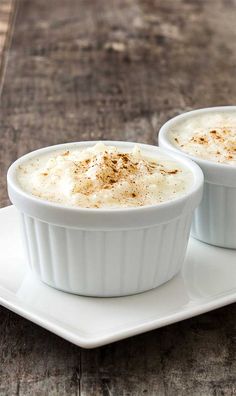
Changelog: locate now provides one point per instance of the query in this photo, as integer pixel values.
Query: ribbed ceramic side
(215, 219)
(105, 263)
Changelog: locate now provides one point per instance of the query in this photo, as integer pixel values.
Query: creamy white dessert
(104, 177)
(208, 136)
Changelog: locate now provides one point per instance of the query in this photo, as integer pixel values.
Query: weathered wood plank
(7, 12)
(192, 358)
(35, 362)
(85, 69)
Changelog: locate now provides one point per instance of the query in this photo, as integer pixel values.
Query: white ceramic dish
(215, 218)
(105, 252)
(207, 281)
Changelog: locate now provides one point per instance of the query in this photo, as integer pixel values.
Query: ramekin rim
(196, 171)
(163, 133)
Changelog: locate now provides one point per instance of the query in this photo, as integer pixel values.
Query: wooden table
(117, 69)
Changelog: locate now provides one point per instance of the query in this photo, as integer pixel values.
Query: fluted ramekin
(215, 219)
(105, 252)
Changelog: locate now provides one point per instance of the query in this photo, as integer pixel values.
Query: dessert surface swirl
(104, 176)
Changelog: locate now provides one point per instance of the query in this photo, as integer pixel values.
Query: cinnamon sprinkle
(96, 177)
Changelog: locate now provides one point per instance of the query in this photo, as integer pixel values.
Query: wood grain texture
(7, 13)
(117, 69)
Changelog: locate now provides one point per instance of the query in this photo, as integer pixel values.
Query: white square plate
(207, 281)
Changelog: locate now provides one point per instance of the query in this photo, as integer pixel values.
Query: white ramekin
(215, 219)
(105, 252)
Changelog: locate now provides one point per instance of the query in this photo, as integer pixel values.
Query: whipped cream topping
(104, 177)
(208, 136)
